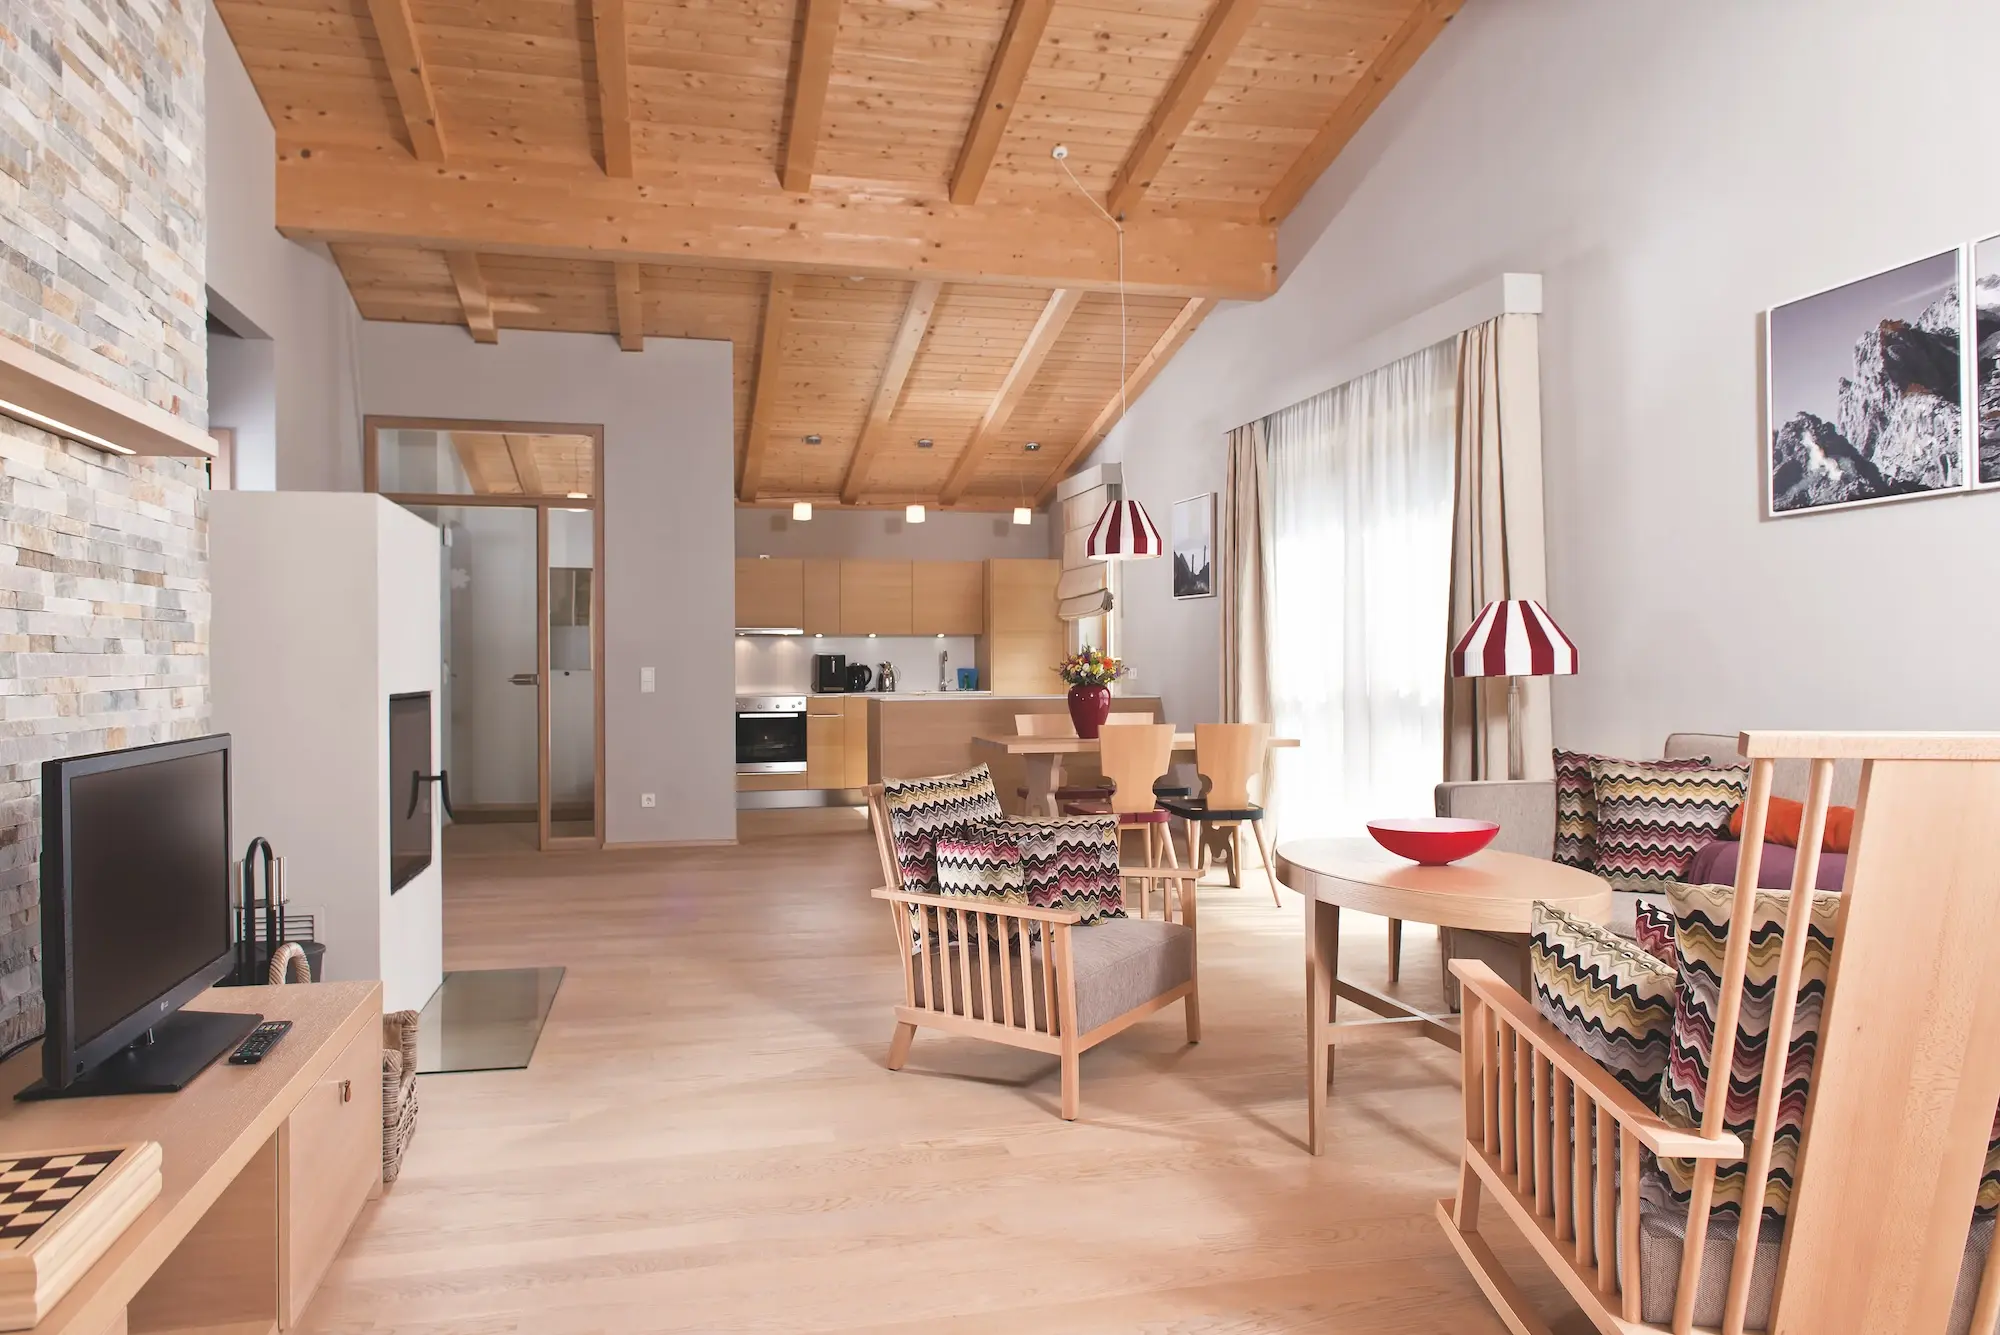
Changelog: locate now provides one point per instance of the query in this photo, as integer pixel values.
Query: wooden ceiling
(532, 464)
(858, 194)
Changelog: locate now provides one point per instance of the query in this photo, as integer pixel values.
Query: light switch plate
(648, 800)
(646, 681)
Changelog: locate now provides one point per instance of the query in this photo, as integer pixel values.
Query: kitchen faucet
(944, 669)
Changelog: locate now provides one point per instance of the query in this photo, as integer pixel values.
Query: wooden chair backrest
(1229, 756)
(1133, 755)
(885, 839)
(1043, 725)
(1123, 719)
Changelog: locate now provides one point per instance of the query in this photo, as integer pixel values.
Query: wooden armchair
(1880, 1233)
(1034, 978)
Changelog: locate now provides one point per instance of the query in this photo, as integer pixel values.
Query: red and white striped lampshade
(1123, 532)
(1514, 638)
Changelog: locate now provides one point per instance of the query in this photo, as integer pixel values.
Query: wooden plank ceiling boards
(856, 194)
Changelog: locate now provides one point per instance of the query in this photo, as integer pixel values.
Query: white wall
(669, 583)
(300, 428)
(884, 535)
(324, 606)
(1672, 170)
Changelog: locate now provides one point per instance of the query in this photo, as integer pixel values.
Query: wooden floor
(707, 1139)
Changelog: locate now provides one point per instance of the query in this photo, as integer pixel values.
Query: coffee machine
(829, 673)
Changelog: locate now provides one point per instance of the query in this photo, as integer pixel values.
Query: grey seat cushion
(1121, 963)
(1663, 1231)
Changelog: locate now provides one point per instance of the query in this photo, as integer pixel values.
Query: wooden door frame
(372, 427)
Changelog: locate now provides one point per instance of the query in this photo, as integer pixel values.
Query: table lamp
(1514, 638)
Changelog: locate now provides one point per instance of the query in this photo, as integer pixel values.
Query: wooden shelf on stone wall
(35, 385)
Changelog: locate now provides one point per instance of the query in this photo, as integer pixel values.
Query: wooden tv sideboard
(264, 1170)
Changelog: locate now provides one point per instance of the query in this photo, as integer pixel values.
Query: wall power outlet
(648, 800)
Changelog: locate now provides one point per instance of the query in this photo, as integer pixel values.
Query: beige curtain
(1497, 546)
(1246, 579)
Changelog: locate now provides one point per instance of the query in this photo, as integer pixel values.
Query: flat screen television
(135, 917)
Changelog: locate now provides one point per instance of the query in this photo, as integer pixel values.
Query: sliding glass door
(520, 564)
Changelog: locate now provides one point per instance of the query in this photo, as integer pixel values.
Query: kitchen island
(914, 735)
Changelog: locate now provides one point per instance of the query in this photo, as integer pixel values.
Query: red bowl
(1433, 841)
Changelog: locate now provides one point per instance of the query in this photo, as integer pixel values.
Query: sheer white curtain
(1360, 482)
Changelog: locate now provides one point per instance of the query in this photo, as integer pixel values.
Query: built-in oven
(770, 734)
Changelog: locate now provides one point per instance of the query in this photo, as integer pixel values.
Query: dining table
(1042, 760)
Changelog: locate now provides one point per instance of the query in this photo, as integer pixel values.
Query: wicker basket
(399, 1089)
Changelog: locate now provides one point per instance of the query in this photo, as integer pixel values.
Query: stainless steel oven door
(771, 734)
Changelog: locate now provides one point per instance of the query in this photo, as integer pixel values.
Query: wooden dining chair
(1134, 756)
(1057, 725)
(1230, 757)
(1166, 785)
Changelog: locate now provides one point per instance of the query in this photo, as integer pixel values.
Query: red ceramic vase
(1089, 706)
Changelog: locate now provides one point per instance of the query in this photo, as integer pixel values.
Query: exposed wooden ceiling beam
(1004, 77)
(472, 295)
(1212, 47)
(812, 70)
(631, 307)
(1163, 349)
(889, 389)
(614, 83)
(1405, 45)
(770, 361)
(350, 195)
(521, 453)
(1061, 305)
(396, 30)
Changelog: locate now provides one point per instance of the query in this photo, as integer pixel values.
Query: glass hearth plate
(486, 1019)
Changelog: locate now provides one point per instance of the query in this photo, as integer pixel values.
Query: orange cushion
(1781, 825)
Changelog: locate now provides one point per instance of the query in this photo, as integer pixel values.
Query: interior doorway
(520, 567)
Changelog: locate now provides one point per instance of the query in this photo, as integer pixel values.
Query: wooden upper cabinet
(822, 597)
(1024, 636)
(770, 592)
(948, 598)
(875, 598)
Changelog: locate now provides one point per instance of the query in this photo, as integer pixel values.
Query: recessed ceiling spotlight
(913, 514)
(802, 511)
(1023, 515)
(925, 443)
(578, 496)
(812, 439)
(1032, 446)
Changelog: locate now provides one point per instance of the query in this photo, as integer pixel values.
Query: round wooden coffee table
(1487, 892)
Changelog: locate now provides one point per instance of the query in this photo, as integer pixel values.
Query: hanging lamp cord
(1063, 162)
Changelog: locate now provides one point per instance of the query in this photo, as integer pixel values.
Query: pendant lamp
(1124, 532)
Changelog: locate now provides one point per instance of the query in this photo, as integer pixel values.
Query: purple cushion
(1715, 864)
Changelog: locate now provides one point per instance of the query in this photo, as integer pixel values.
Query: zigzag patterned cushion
(1703, 920)
(1653, 817)
(980, 861)
(1653, 929)
(1070, 862)
(1609, 998)
(921, 809)
(1576, 805)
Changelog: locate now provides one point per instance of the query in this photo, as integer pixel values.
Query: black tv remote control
(262, 1039)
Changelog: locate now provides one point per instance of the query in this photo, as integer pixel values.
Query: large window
(1360, 486)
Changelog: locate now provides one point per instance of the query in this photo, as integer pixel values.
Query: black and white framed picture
(1194, 547)
(1986, 364)
(1866, 385)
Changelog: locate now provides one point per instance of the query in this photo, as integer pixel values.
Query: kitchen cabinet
(856, 720)
(770, 592)
(875, 598)
(1024, 638)
(822, 597)
(826, 746)
(948, 597)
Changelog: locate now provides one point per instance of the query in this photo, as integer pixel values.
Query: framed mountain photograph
(1865, 383)
(1193, 547)
(1986, 363)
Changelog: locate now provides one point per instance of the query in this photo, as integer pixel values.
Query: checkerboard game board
(36, 1189)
